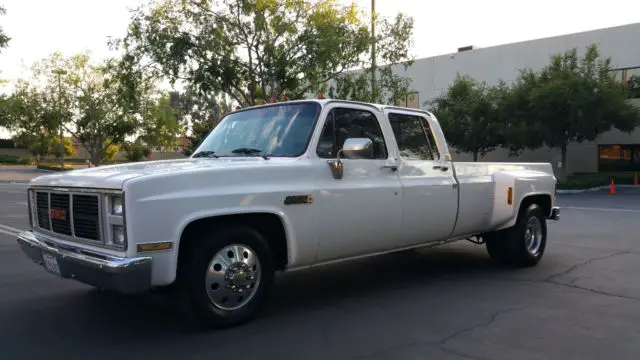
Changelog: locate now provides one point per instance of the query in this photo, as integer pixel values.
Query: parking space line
(599, 209)
(13, 192)
(8, 232)
(9, 228)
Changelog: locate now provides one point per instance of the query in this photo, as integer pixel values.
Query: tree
(94, 106)
(205, 110)
(392, 44)
(67, 147)
(110, 152)
(573, 99)
(161, 123)
(248, 49)
(4, 39)
(469, 115)
(31, 117)
(134, 151)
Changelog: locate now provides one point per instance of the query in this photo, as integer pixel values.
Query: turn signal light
(284, 98)
(320, 96)
(272, 100)
(510, 196)
(238, 108)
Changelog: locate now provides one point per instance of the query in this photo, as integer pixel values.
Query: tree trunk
(475, 156)
(563, 159)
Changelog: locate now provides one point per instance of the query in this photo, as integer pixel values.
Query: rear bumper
(555, 213)
(125, 275)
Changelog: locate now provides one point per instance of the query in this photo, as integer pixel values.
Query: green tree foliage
(135, 151)
(573, 99)
(31, 117)
(4, 39)
(110, 152)
(393, 42)
(67, 147)
(161, 123)
(469, 115)
(247, 49)
(88, 101)
(204, 110)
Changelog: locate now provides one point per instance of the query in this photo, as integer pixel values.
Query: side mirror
(357, 148)
(353, 148)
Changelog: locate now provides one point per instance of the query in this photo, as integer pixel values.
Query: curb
(597, 188)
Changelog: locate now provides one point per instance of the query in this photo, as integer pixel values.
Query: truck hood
(114, 176)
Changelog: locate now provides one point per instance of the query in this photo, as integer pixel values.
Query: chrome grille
(86, 216)
(59, 206)
(70, 214)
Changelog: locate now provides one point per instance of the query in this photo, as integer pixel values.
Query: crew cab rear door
(429, 189)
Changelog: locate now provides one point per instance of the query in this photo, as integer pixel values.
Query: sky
(40, 27)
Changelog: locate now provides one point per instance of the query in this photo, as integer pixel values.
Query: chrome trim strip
(73, 229)
(79, 190)
(99, 260)
(99, 269)
(49, 211)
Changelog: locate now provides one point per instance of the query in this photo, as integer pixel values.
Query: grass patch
(54, 167)
(15, 160)
(580, 181)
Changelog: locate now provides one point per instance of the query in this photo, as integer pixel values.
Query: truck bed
(483, 187)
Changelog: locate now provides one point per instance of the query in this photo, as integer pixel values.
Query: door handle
(392, 167)
(441, 167)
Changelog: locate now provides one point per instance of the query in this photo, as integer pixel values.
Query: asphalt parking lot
(581, 302)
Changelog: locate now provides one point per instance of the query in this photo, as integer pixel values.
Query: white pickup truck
(279, 187)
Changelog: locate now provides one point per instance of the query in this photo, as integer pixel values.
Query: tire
(495, 243)
(524, 244)
(234, 290)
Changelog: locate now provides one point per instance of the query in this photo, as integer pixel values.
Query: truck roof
(379, 107)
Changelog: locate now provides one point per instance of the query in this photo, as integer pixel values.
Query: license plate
(51, 264)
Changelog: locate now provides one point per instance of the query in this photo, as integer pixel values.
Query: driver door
(361, 212)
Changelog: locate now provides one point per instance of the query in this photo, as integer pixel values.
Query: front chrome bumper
(125, 275)
(555, 213)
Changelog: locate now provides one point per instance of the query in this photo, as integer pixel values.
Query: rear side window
(414, 137)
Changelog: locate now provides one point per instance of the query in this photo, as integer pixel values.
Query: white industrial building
(610, 152)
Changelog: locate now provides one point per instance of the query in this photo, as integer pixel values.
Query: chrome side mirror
(353, 148)
(358, 148)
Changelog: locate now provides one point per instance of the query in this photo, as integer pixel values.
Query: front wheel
(522, 245)
(227, 277)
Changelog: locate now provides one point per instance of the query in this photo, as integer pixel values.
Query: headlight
(116, 205)
(118, 235)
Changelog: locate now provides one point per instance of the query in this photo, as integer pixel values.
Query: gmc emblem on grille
(58, 214)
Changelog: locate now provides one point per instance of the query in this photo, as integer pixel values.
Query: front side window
(279, 130)
(414, 137)
(344, 123)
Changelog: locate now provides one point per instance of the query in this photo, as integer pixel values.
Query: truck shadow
(88, 320)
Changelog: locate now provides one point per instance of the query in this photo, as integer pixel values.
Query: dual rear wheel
(523, 244)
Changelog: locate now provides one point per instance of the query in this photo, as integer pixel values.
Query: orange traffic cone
(635, 178)
(612, 191)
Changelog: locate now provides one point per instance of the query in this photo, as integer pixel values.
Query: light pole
(373, 49)
(59, 73)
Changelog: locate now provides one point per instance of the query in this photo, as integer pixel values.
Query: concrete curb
(597, 188)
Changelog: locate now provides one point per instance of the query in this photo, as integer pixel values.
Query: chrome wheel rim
(533, 235)
(233, 276)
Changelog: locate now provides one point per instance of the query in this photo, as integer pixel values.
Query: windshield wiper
(248, 151)
(205, 154)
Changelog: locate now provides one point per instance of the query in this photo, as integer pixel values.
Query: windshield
(278, 130)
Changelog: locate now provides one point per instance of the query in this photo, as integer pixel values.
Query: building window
(618, 158)
(630, 78)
